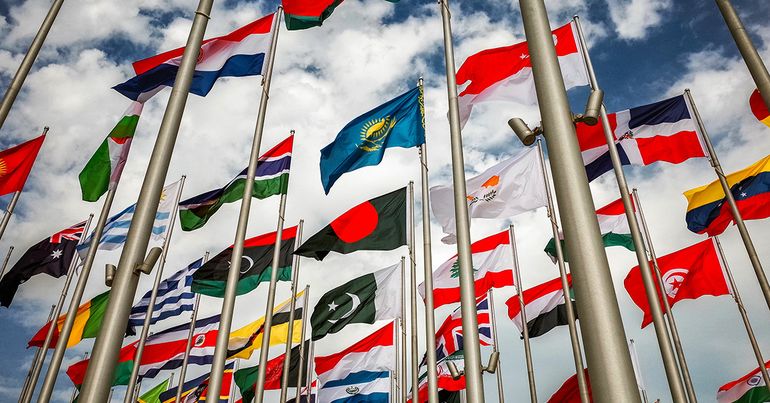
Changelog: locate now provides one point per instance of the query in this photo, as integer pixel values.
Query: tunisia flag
(15, 164)
(689, 273)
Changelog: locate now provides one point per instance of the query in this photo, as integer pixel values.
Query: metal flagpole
(37, 366)
(74, 388)
(310, 369)
(228, 303)
(637, 369)
(669, 315)
(231, 396)
(498, 373)
(5, 261)
(675, 384)
(472, 354)
(747, 242)
(190, 334)
(744, 316)
(404, 390)
(413, 291)
(393, 374)
(130, 397)
(304, 332)
(577, 351)
(749, 52)
(524, 329)
(39, 356)
(109, 397)
(293, 305)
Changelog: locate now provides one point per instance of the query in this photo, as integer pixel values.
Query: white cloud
(634, 19)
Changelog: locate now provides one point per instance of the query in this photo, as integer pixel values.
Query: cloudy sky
(367, 52)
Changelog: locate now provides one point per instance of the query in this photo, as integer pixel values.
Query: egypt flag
(88, 321)
(505, 74)
(758, 107)
(376, 224)
(689, 273)
(661, 131)
(492, 268)
(256, 265)
(544, 307)
(15, 164)
(238, 54)
(751, 388)
(244, 341)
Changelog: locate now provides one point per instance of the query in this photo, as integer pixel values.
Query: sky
(366, 53)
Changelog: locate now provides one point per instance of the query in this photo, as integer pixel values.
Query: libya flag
(246, 378)
(366, 299)
(303, 14)
(105, 166)
(256, 265)
(377, 224)
(88, 321)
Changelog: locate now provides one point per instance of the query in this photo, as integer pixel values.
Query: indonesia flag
(492, 268)
(238, 54)
(662, 131)
(544, 307)
(505, 74)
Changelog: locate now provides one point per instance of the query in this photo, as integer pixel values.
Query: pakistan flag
(366, 299)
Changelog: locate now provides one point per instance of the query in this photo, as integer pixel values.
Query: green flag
(153, 395)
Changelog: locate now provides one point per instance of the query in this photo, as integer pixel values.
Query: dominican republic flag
(751, 388)
(492, 268)
(662, 131)
(360, 373)
(449, 337)
(544, 307)
(238, 54)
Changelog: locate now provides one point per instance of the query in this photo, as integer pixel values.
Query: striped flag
(751, 388)
(245, 340)
(194, 391)
(544, 307)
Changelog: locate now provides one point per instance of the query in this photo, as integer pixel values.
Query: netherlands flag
(662, 131)
(238, 54)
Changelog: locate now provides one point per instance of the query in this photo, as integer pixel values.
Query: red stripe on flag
(590, 137)
(675, 148)
(493, 279)
(382, 337)
(534, 293)
(614, 208)
(280, 149)
(269, 239)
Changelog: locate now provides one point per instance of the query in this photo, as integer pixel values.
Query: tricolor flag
(751, 388)
(505, 74)
(303, 14)
(88, 321)
(661, 131)
(544, 307)
(238, 54)
(194, 391)
(245, 340)
(272, 178)
(758, 107)
(492, 268)
(16, 163)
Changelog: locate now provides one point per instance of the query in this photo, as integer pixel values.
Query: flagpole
(524, 329)
(75, 388)
(5, 261)
(190, 334)
(130, 397)
(38, 357)
(310, 369)
(404, 392)
(109, 397)
(393, 374)
(495, 340)
(413, 291)
(232, 382)
(228, 303)
(293, 305)
(666, 305)
(577, 351)
(637, 369)
(304, 332)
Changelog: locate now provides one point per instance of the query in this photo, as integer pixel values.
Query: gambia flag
(103, 170)
(256, 265)
(272, 178)
(613, 225)
(88, 321)
(303, 14)
(751, 388)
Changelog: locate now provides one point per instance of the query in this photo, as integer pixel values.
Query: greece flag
(363, 386)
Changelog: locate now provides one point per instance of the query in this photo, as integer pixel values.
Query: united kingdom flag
(72, 233)
(449, 337)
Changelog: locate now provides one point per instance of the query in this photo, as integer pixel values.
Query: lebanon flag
(376, 224)
(505, 74)
(758, 107)
(689, 273)
(569, 392)
(492, 268)
(15, 164)
(750, 388)
(544, 307)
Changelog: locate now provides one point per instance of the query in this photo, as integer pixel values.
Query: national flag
(256, 265)
(359, 373)
(15, 164)
(569, 391)
(446, 383)
(544, 307)
(51, 256)
(688, 273)
(449, 336)
(88, 321)
(661, 131)
(758, 107)
(104, 168)
(492, 268)
(153, 395)
(399, 122)
(366, 299)
(707, 208)
(751, 388)
(195, 390)
(246, 378)
(613, 224)
(238, 54)
(303, 14)
(511, 187)
(306, 394)
(174, 297)
(272, 178)
(376, 224)
(505, 73)
(245, 340)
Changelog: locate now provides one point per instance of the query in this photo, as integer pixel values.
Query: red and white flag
(544, 307)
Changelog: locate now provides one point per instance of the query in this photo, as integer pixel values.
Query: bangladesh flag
(303, 14)
(105, 166)
(246, 378)
(256, 265)
(377, 224)
(88, 321)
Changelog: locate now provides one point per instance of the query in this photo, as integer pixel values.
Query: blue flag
(396, 123)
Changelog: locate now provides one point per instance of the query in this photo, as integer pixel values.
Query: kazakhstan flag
(397, 123)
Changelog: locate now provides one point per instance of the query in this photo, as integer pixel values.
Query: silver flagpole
(231, 397)
(39, 361)
(669, 314)
(190, 334)
(74, 388)
(310, 369)
(744, 315)
(5, 261)
(404, 390)
(28, 61)
(496, 341)
(637, 370)
(393, 374)
(413, 291)
(524, 329)
(39, 356)
(109, 397)
(472, 355)
(292, 306)
(737, 217)
(153, 296)
(302, 343)
(228, 303)
(577, 351)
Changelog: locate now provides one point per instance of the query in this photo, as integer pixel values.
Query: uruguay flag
(238, 54)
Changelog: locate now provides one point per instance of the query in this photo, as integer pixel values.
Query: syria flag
(376, 224)
(689, 273)
(15, 164)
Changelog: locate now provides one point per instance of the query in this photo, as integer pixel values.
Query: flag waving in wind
(758, 108)
(16, 163)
